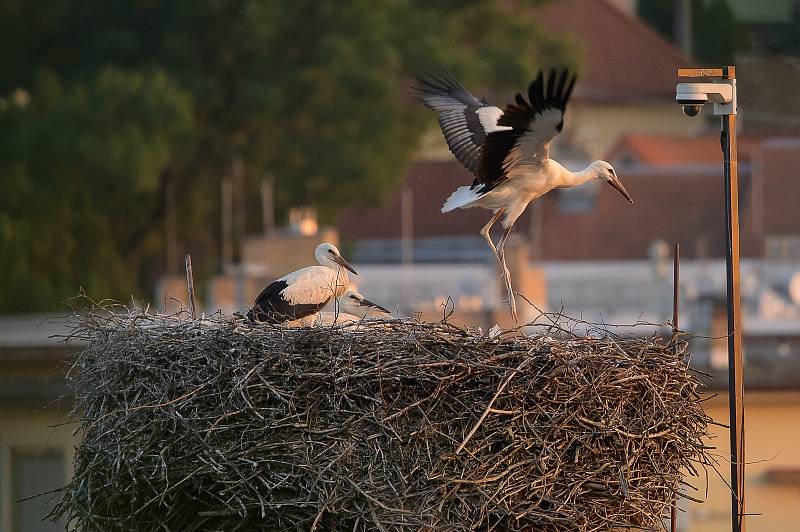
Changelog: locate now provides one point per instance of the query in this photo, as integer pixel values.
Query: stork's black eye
(353, 297)
(330, 251)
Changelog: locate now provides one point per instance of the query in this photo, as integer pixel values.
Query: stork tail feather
(460, 198)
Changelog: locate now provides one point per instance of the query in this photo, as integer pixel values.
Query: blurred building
(264, 257)
(627, 77)
(626, 82)
(773, 465)
(36, 450)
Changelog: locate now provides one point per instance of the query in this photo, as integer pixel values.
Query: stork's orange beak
(616, 183)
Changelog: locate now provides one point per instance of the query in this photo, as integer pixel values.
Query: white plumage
(488, 117)
(461, 197)
(508, 151)
(305, 291)
(351, 307)
(314, 284)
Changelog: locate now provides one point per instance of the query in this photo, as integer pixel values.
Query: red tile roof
(670, 150)
(623, 57)
(684, 207)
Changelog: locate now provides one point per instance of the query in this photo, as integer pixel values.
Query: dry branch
(222, 425)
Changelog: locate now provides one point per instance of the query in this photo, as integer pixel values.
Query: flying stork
(352, 307)
(508, 151)
(305, 291)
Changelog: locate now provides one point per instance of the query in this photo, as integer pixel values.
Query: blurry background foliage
(103, 105)
(716, 33)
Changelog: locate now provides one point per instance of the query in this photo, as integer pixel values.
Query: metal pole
(239, 207)
(172, 224)
(227, 223)
(676, 283)
(683, 26)
(735, 359)
(406, 225)
(267, 205)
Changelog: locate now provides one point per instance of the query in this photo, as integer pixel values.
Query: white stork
(352, 307)
(305, 291)
(355, 304)
(508, 150)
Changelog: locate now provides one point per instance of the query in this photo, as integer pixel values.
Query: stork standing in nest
(508, 151)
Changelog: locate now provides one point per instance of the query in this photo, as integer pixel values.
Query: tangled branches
(398, 425)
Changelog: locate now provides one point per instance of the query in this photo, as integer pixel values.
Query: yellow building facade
(772, 475)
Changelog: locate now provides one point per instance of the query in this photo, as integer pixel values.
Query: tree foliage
(80, 162)
(106, 104)
(716, 32)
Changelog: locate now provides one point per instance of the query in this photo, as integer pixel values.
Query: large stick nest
(223, 425)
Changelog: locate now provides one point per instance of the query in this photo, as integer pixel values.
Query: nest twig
(217, 424)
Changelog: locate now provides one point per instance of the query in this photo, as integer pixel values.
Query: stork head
(603, 170)
(354, 303)
(328, 255)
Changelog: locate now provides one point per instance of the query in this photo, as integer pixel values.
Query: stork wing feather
(530, 126)
(464, 119)
(298, 294)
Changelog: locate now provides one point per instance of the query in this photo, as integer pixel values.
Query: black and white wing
(294, 296)
(529, 126)
(464, 119)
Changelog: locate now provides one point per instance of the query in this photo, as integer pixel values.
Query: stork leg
(486, 228)
(512, 304)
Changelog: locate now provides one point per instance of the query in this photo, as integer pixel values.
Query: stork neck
(573, 179)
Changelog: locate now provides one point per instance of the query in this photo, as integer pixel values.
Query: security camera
(692, 109)
(692, 97)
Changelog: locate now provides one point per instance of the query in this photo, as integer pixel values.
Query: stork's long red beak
(616, 183)
(338, 259)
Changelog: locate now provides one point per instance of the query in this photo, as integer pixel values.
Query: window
(579, 199)
(783, 247)
(32, 473)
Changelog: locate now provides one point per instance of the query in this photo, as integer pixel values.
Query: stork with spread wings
(508, 150)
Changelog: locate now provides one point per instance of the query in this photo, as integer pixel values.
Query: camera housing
(692, 97)
(691, 110)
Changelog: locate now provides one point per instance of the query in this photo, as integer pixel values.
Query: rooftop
(672, 150)
(33, 330)
(623, 57)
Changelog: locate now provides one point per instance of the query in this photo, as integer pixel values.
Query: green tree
(314, 93)
(716, 32)
(80, 163)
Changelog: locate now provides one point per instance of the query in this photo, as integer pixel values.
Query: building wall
(264, 258)
(279, 254)
(31, 435)
(597, 127)
(772, 425)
